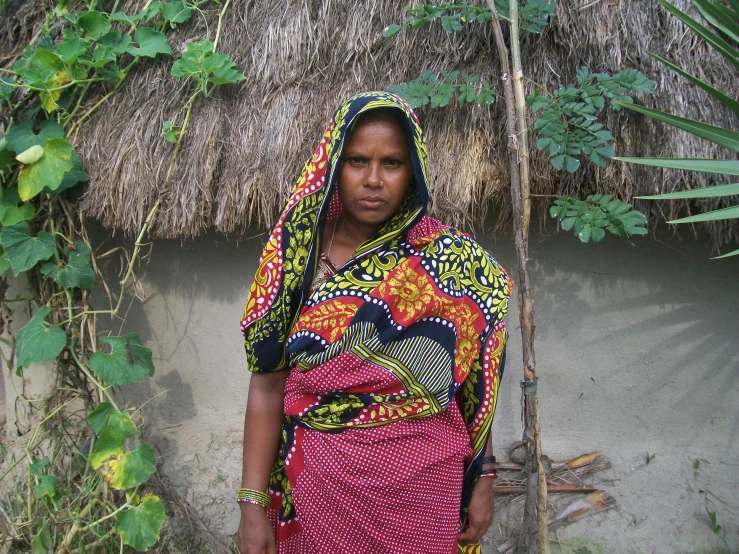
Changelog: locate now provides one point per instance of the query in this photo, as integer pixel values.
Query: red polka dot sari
(394, 363)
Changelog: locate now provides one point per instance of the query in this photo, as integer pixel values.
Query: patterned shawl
(419, 300)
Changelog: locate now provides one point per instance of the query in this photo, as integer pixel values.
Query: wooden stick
(536, 480)
(550, 488)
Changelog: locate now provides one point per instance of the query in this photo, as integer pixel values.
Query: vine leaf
(38, 341)
(47, 486)
(105, 416)
(151, 43)
(139, 527)
(77, 272)
(4, 263)
(129, 360)
(21, 136)
(42, 543)
(175, 12)
(23, 250)
(10, 212)
(120, 468)
(94, 24)
(48, 171)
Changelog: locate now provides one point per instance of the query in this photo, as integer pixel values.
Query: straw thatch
(301, 57)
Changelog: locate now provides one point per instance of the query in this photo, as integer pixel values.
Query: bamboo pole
(535, 506)
(522, 130)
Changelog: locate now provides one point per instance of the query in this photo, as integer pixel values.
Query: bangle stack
(490, 473)
(253, 496)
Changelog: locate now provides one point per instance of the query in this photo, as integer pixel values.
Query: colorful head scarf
(418, 301)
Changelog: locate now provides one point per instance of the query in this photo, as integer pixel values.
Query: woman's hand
(255, 534)
(480, 513)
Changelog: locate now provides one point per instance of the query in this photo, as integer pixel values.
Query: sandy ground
(637, 356)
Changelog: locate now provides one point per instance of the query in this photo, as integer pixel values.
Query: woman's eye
(355, 160)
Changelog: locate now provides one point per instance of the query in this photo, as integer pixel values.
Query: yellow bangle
(253, 496)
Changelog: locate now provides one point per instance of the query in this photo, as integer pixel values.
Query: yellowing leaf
(31, 155)
(48, 171)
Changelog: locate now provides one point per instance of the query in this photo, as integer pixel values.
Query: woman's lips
(371, 202)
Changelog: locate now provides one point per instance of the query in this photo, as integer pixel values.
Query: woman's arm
(262, 436)
(482, 505)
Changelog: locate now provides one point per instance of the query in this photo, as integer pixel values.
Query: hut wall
(636, 351)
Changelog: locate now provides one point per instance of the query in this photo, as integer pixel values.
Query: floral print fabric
(410, 327)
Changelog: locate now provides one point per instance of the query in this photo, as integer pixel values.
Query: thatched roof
(245, 148)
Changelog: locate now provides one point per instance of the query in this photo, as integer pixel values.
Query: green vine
(83, 494)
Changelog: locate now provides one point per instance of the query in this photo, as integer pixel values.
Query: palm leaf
(723, 137)
(727, 101)
(731, 212)
(720, 17)
(704, 192)
(734, 253)
(723, 47)
(727, 167)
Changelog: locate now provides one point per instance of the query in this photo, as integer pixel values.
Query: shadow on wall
(653, 326)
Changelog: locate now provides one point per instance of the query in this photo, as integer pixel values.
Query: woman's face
(375, 173)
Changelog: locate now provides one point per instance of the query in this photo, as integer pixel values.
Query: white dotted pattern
(389, 489)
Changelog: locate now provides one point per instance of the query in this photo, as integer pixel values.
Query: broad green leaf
(4, 262)
(94, 24)
(116, 41)
(71, 48)
(175, 12)
(48, 171)
(719, 44)
(98, 418)
(23, 250)
(703, 165)
(21, 137)
(139, 527)
(38, 341)
(31, 155)
(704, 192)
(47, 486)
(129, 360)
(718, 135)
(76, 272)
(151, 43)
(10, 213)
(124, 18)
(391, 30)
(731, 212)
(223, 76)
(727, 101)
(42, 542)
(37, 467)
(105, 416)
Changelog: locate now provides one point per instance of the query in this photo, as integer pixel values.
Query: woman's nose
(374, 179)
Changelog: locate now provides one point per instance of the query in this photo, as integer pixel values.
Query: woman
(376, 339)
